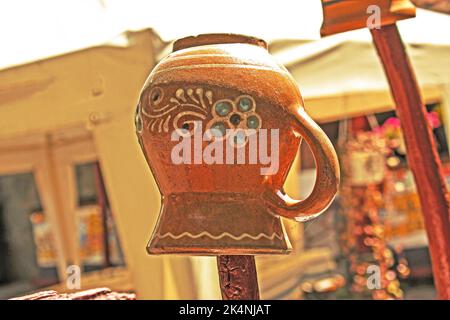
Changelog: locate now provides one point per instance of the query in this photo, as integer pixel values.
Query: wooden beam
(422, 155)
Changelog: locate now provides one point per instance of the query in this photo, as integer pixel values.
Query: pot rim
(216, 38)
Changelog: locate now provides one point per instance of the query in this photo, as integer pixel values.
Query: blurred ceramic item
(223, 81)
(366, 159)
(343, 15)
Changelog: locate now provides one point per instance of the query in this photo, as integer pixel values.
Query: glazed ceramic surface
(225, 82)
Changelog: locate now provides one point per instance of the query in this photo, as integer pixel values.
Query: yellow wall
(98, 88)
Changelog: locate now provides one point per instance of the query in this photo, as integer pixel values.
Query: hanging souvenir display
(366, 160)
(391, 133)
(91, 235)
(403, 214)
(363, 241)
(43, 239)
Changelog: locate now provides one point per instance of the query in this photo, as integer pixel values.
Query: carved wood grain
(422, 154)
(238, 277)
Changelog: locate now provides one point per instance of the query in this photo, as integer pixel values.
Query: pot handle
(327, 176)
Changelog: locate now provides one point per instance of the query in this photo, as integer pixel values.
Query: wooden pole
(422, 155)
(238, 278)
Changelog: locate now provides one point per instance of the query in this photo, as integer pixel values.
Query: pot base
(217, 224)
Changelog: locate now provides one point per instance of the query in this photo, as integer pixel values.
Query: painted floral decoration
(239, 114)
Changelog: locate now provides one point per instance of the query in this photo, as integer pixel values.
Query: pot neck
(216, 38)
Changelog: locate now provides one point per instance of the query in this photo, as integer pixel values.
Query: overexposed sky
(269, 19)
(31, 29)
(36, 29)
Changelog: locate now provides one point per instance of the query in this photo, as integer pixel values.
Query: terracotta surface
(219, 209)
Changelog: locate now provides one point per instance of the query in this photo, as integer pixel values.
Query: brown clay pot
(223, 81)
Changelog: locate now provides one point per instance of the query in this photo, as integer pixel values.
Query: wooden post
(422, 155)
(238, 278)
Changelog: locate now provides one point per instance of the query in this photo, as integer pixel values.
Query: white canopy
(334, 66)
(337, 74)
(342, 74)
